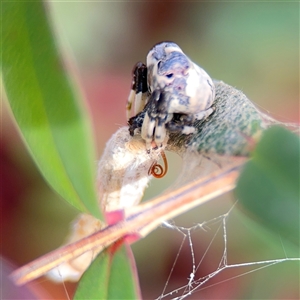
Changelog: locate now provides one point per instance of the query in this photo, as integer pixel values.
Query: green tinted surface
(52, 122)
(110, 276)
(269, 184)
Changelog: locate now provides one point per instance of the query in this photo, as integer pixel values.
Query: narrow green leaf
(269, 184)
(49, 114)
(112, 275)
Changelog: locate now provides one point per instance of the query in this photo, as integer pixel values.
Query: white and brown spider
(168, 94)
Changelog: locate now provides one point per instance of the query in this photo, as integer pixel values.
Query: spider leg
(136, 122)
(130, 100)
(187, 124)
(181, 123)
(160, 128)
(148, 129)
(140, 101)
(184, 123)
(174, 126)
(156, 116)
(204, 114)
(139, 90)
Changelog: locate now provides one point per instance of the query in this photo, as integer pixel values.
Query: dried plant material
(123, 171)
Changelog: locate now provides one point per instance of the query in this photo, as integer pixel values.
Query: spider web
(195, 283)
(215, 228)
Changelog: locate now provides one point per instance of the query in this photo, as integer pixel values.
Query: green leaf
(52, 121)
(269, 184)
(112, 275)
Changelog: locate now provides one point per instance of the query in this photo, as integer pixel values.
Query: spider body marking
(179, 92)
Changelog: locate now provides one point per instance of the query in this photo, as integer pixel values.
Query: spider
(168, 95)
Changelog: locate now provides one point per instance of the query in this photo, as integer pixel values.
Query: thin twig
(139, 221)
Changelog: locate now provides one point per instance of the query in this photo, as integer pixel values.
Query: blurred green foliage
(269, 184)
(109, 276)
(50, 117)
